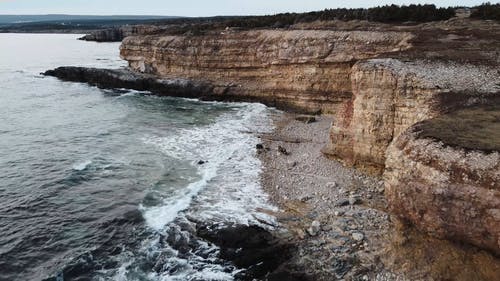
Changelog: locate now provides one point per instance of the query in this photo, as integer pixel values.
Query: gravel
(336, 215)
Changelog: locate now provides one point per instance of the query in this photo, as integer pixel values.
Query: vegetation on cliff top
(476, 128)
(487, 11)
(386, 14)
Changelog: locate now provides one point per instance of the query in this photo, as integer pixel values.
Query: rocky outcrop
(444, 187)
(443, 179)
(295, 69)
(442, 174)
(389, 96)
(117, 34)
(124, 78)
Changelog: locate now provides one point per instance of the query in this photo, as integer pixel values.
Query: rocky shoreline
(339, 220)
(402, 116)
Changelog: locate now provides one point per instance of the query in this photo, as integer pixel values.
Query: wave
(221, 189)
(80, 166)
(228, 174)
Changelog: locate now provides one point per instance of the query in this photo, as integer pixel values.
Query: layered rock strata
(445, 188)
(443, 179)
(295, 69)
(389, 96)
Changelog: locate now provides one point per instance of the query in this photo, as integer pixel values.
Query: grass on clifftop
(473, 128)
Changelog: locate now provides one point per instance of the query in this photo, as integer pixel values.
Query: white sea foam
(228, 189)
(80, 166)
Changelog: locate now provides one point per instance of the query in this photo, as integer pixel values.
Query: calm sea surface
(94, 182)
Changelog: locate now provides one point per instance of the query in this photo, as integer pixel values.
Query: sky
(195, 7)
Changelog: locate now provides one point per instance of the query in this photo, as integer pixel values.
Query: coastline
(335, 214)
(338, 220)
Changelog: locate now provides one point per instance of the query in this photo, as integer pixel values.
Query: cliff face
(301, 70)
(443, 186)
(444, 189)
(389, 96)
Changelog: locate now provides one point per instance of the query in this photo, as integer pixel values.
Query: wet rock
(250, 247)
(292, 164)
(342, 202)
(354, 200)
(341, 268)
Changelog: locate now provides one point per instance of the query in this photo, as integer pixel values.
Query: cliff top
(472, 129)
(446, 75)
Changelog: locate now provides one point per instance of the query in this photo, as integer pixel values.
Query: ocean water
(97, 184)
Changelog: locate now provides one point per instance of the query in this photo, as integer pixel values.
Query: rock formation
(447, 189)
(389, 96)
(117, 34)
(124, 78)
(296, 69)
(446, 181)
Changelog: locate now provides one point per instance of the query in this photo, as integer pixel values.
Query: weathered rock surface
(295, 69)
(389, 96)
(446, 188)
(125, 78)
(442, 185)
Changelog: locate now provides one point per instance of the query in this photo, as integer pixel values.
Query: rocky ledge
(443, 176)
(300, 70)
(125, 78)
(390, 95)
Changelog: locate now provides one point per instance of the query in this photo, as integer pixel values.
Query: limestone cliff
(295, 69)
(389, 96)
(445, 188)
(444, 180)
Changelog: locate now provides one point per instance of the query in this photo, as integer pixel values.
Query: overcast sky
(193, 7)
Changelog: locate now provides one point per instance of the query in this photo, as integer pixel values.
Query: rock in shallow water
(253, 248)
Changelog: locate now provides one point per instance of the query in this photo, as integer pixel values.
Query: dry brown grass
(472, 128)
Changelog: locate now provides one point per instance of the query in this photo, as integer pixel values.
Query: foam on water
(226, 192)
(80, 166)
(228, 189)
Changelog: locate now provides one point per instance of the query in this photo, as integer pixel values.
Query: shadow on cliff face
(422, 257)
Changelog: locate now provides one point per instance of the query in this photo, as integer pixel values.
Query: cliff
(389, 96)
(443, 175)
(379, 84)
(295, 69)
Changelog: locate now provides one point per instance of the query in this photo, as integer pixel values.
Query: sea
(97, 184)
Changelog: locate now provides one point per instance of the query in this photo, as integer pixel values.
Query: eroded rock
(445, 189)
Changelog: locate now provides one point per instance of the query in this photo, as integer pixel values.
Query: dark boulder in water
(125, 78)
(262, 254)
